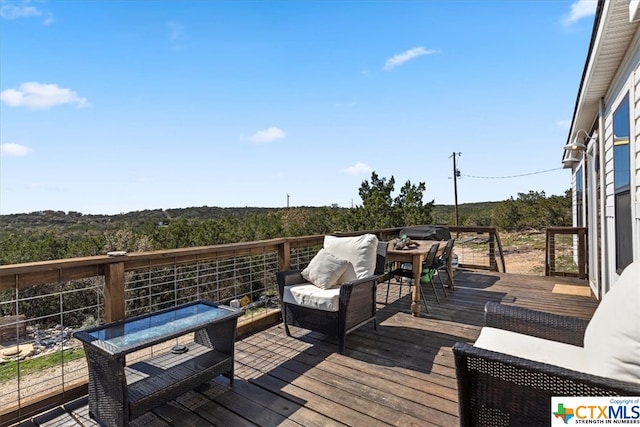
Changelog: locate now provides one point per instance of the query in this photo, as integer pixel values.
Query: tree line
(55, 235)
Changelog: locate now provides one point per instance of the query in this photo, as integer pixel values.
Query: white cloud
(403, 57)
(24, 9)
(267, 135)
(358, 169)
(41, 96)
(12, 11)
(563, 124)
(14, 150)
(579, 9)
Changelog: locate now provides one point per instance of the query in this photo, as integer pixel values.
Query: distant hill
(50, 219)
(79, 221)
(479, 213)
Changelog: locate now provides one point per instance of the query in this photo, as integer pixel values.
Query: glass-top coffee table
(120, 393)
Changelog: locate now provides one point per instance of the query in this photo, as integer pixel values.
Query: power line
(512, 176)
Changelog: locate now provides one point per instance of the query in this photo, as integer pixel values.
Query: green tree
(506, 215)
(376, 210)
(295, 222)
(125, 239)
(557, 210)
(530, 208)
(411, 209)
(533, 210)
(380, 210)
(209, 232)
(175, 235)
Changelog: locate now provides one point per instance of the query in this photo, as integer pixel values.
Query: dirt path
(530, 261)
(518, 261)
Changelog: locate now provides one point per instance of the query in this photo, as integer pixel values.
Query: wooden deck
(401, 374)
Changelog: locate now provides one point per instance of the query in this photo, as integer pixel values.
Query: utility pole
(456, 174)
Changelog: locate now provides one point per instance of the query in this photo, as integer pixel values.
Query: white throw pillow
(612, 338)
(360, 251)
(324, 270)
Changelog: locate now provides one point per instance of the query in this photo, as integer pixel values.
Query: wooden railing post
(582, 254)
(492, 251)
(284, 256)
(499, 243)
(550, 254)
(114, 292)
(579, 250)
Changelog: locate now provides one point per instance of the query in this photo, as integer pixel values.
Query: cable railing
(478, 248)
(245, 278)
(42, 303)
(566, 252)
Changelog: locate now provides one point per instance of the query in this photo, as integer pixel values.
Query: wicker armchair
(497, 389)
(357, 304)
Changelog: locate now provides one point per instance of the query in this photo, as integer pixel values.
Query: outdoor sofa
(524, 357)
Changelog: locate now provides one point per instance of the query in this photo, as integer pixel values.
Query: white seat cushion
(312, 296)
(533, 348)
(324, 270)
(360, 251)
(612, 339)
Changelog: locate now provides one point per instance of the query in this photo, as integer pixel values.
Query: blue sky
(116, 106)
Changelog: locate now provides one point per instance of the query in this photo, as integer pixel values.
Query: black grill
(426, 232)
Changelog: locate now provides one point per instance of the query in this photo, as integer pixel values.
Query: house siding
(609, 206)
(574, 209)
(574, 198)
(626, 81)
(635, 155)
(612, 72)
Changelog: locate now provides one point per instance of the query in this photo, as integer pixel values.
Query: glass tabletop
(135, 332)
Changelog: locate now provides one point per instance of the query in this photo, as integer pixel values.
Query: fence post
(550, 254)
(492, 251)
(114, 292)
(284, 256)
(582, 250)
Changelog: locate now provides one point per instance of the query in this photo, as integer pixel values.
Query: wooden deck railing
(119, 287)
(466, 235)
(82, 291)
(111, 288)
(566, 252)
(114, 269)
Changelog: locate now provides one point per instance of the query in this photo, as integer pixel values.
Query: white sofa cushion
(312, 296)
(360, 251)
(324, 270)
(612, 338)
(533, 348)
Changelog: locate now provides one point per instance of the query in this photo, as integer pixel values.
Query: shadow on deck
(401, 374)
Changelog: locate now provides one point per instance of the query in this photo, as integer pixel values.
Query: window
(579, 198)
(621, 181)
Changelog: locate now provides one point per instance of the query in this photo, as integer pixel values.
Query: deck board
(400, 374)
